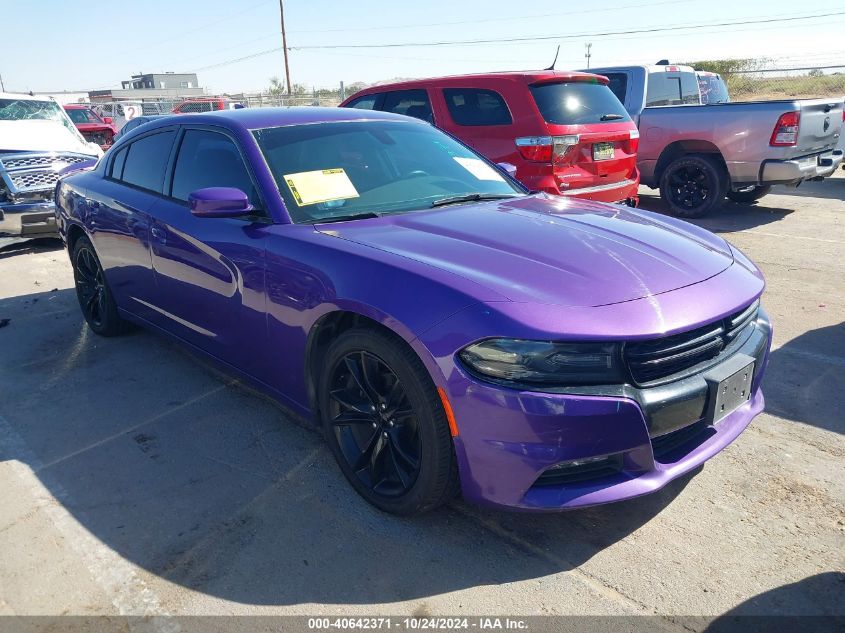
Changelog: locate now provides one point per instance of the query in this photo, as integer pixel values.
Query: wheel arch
(685, 148)
(74, 232)
(327, 327)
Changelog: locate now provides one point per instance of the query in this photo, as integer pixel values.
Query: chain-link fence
(792, 83)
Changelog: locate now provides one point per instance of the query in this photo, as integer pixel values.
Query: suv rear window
(578, 103)
(668, 89)
(408, 102)
(472, 106)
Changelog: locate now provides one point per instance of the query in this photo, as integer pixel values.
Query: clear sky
(52, 45)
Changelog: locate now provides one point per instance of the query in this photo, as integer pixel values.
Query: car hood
(39, 135)
(549, 249)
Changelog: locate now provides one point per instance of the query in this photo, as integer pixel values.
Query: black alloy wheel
(693, 186)
(374, 424)
(92, 291)
(385, 423)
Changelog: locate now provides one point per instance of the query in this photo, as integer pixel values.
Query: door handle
(159, 234)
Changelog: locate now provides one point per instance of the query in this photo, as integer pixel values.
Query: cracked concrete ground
(136, 480)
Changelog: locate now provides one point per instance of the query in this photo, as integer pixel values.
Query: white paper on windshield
(479, 168)
(323, 185)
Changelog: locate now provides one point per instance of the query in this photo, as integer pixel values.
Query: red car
(100, 130)
(565, 132)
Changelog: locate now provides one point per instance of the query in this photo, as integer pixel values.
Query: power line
(487, 20)
(537, 38)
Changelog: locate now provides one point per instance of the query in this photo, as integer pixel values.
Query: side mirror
(219, 202)
(108, 120)
(509, 169)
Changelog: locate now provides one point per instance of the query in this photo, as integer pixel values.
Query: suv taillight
(546, 149)
(785, 133)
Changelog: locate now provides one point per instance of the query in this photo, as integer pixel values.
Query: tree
(277, 88)
(728, 67)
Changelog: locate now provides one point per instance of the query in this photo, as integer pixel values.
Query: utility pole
(2, 85)
(285, 45)
(588, 54)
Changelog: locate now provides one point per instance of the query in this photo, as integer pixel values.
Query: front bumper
(509, 438)
(796, 170)
(28, 219)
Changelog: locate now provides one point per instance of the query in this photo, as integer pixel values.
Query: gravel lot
(134, 479)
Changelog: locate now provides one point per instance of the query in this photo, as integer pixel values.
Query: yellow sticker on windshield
(323, 185)
(479, 168)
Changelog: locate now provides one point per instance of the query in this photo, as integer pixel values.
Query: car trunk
(595, 140)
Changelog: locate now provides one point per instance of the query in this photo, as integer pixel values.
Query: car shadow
(808, 370)
(730, 218)
(203, 482)
(829, 188)
(13, 246)
(812, 605)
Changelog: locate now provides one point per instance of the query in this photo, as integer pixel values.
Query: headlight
(544, 362)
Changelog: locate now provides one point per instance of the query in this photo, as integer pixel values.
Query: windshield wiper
(343, 218)
(472, 197)
(611, 117)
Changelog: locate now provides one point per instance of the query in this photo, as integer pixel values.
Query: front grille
(35, 172)
(665, 445)
(657, 359)
(40, 160)
(34, 180)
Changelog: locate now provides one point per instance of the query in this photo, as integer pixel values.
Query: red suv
(565, 132)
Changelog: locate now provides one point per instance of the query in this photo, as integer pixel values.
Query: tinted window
(117, 164)
(209, 159)
(367, 102)
(469, 106)
(341, 169)
(147, 160)
(672, 89)
(713, 89)
(578, 103)
(413, 103)
(618, 84)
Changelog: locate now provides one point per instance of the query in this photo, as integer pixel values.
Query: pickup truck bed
(697, 154)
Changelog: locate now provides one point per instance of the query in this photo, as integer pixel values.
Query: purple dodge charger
(447, 330)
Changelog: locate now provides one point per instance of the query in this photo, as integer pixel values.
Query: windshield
(83, 116)
(578, 103)
(26, 109)
(332, 170)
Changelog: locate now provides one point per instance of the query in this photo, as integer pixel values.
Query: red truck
(565, 132)
(94, 128)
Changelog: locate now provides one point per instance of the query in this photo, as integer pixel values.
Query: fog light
(580, 470)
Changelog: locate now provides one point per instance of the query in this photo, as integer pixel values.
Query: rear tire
(747, 196)
(95, 298)
(693, 186)
(385, 424)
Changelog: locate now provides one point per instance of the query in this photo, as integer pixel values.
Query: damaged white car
(37, 142)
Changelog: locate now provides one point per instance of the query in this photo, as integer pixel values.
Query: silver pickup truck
(698, 154)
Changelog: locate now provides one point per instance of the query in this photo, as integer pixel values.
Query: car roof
(24, 97)
(524, 76)
(257, 118)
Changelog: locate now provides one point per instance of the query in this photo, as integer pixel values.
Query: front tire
(385, 424)
(747, 196)
(693, 186)
(95, 298)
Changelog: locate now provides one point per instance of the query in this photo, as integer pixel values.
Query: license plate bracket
(730, 386)
(603, 151)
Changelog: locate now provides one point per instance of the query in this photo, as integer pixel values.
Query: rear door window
(669, 89)
(578, 103)
(147, 160)
(413, 103)
(472, 106)
(618, 84)
(117, 164)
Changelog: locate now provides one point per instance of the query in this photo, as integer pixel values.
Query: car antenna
(557, 52)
